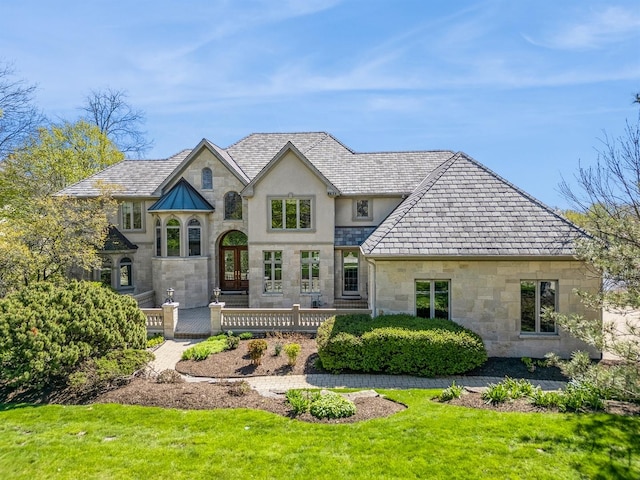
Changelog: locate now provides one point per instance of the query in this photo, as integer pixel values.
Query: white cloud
(601, 28)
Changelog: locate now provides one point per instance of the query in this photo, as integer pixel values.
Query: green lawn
(428, 440)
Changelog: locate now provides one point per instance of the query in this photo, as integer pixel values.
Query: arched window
(173, 238)
(158, 239)
(194, 230)
(207, 179)
(232, 206)
(126, 273)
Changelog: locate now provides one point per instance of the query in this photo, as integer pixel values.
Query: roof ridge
(313, 145)
(526, 195)
(423, 187)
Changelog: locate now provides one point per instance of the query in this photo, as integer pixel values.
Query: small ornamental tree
(47, 331)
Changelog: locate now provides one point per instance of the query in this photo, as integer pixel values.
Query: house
(301, 219)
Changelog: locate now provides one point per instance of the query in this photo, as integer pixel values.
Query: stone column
(170, 319)
(216, 317)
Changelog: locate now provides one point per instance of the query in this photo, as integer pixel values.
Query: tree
(608, 197)
(52, 159)
(54, 237)
(111, 113)
(19, 118)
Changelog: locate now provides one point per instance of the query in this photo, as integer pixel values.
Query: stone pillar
(295, 310)
(170, 319)
(216, 317)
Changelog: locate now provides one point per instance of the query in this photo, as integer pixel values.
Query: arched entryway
(234, 262)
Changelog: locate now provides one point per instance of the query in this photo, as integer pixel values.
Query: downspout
(373, 287)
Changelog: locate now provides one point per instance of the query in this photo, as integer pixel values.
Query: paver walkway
(169, 353)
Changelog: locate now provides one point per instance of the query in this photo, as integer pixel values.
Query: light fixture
(216, 293)
(170, 292)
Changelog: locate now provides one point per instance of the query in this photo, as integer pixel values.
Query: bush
(320, 404)
(246, 336)
(47, 331)
(398, 344)
(292, 350)
(232, 343)
(256, 350)
(203, 350)
(239, 389)
(155, 340)
(115, 366)
(508, 389)
(332, 405)
(451, 392)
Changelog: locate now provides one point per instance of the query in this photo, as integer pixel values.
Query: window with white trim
(173, 238)
(272, 262)
(432, 298)
(536, 297)
(310, 272)
(290, 213)
(131, 215)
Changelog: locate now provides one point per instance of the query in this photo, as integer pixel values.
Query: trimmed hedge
(398, 344)
(47, 331)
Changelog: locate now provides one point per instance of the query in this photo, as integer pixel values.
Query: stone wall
(485, 297)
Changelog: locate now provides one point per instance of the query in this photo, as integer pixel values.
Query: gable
(462, 208)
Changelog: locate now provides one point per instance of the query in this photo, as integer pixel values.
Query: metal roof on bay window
(182, 197)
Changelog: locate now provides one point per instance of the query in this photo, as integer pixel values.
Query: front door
(234, 262)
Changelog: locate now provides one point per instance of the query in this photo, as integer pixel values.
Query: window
(537, 296)
(173, 238)
(432, 298)
(207, 179)
(131, 215)
(362, 209)
(194, 231)
(310, 272)
(272, 272)
(232, 206)
(126, 277)
(291, 214)
(158, 239)
(105, 272)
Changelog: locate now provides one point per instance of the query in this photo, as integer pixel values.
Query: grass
(428, 440)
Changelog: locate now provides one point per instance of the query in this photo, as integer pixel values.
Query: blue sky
(526, 87)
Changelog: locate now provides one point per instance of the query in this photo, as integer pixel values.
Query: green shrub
(256, 349)
(169, 376)
(47, 331)
(98, 373)
(580, 397)
(239, 389)
(246, 336)
(320, 404)
(232, 343)
(332, 405)
(451, 392)
(155, 340)
(292, 350)
(203, 350)
(544, 399)
(508, 389)
(277, 349)
(398, 344)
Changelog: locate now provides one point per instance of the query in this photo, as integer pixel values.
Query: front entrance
(234, 262)
(350, 273)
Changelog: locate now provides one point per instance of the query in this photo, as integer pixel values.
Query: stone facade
(485, 297)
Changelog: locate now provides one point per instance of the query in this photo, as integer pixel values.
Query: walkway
(170, 352)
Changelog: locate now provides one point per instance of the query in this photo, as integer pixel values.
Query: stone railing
(162, 320)
(294, 319)
(146, 299)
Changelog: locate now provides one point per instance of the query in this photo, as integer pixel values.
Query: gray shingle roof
(352, 173)
(134, 178)
(117, 242)
(462, 208)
